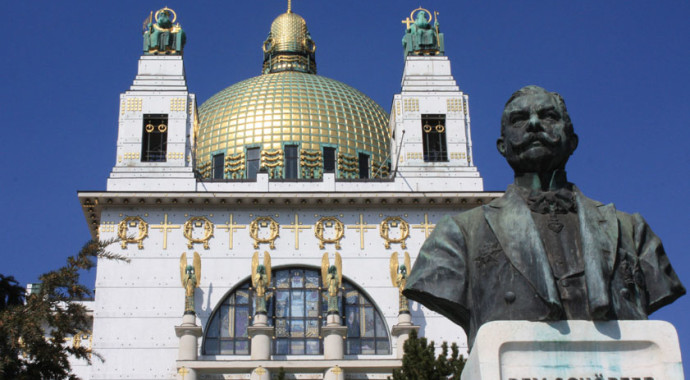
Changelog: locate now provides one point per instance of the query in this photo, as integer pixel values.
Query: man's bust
(543, 251)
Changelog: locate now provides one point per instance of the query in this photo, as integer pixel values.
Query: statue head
(537, 135)
(333, 270)
(163, 18)
(403, 270)
(189, 270)
(261, 269)
(420, 18)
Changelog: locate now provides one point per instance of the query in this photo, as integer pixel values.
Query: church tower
(429, 119)
(157, 115)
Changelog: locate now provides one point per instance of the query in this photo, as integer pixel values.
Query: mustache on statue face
(542, 137)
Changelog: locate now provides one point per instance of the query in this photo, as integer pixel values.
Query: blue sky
(622, 67)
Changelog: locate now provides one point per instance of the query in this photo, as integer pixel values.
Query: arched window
(297, 308)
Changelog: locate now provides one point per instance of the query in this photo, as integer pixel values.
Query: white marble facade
(138, 304)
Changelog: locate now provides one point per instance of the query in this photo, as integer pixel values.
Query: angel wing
(255, 264)
(408, 265)
(339, 267)
(324, 269)
(394, 269)
(183, 265)
(197, 268)
(267, 266)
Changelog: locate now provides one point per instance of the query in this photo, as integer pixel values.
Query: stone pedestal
(189, 333)
(402, 331)
(334, 373)
(333, 338)
(260, 373)
(614, 350)
(260, 334)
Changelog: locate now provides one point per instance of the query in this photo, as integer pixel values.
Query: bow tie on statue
(556, 202)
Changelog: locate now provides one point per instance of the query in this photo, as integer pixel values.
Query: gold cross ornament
(231, 227)
(426, 226)
(362, 227)
(296, 227)
(165, 227)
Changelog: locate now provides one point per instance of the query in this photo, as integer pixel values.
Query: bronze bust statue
(543, 251)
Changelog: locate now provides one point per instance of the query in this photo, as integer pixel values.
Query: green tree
(34, 329)
(420, 363)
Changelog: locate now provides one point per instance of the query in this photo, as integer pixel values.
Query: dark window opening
(363, 165)
(328, 160)
(218, 164)
(154, 141)
(253, 162)
(434, 138)
(291, 161)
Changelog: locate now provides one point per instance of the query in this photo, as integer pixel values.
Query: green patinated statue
(190, 275)
(421, 37)
(332, 276)
(261, 280)
(543, 251)
(163, 36)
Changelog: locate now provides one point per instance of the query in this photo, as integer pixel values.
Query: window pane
(242, 297)
(382, 347)
(297, 347)
(227, 347)
(282, 279)
(328, 160)
(352, 297)
(352, 318)
(312, 279)
(211, 347)
(313, 347)
(242, 347)
(368, 347)
(253, 155)
(352, 347)
(281, 303)
(225, 321)
(213, 327)
(218, 163)
(296, 303)
(291, 161)
(312, 328)
(380, 327)
(297, 329)
(297, 279)
(281, 346)
(368, 330)
(241, 321)
(312, 303)
(282, 327)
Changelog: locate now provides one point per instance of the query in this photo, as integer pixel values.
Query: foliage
(419, 363)
(33, 333)
(281, 374)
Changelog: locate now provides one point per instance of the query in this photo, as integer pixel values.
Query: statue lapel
(514, 228)
(599, 234)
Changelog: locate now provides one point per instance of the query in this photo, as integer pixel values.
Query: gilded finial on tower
(289, 6)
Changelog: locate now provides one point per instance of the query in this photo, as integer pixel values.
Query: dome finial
(289, 6)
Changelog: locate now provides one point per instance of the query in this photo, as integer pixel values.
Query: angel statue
(332, 276)
(261, 279)
(399, 279)
(190, 275)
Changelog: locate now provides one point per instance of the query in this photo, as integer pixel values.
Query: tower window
(328, 160)
(363, 165)
(290, 161)
(154, 141)
(434, 138)
(253, 162)
(218, 163)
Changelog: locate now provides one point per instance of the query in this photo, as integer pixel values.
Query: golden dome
(292, 108)
(321, 120)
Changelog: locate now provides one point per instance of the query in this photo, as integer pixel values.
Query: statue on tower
(332, 276)
(421, 37)
(399, 280)
(261, 279)
(163, 36)
(190, 276)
